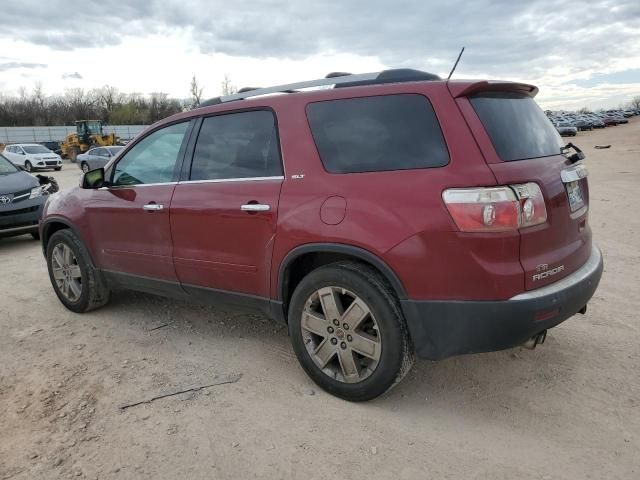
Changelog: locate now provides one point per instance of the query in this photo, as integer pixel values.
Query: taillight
(496, 209)
(533, 209)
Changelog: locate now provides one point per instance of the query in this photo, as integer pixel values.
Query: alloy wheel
(66, 272)
(341, 334)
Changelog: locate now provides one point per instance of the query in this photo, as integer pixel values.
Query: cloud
(71, 76)
(15, 65)
(548, 42)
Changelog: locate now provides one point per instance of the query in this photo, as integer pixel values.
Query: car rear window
(518, 128)
(372, 134)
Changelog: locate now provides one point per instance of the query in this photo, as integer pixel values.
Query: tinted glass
(392, 132)
(518, 128)
(153, 159)
(6, 166)
(237, 145)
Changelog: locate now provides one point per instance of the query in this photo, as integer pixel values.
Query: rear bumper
(441, 329)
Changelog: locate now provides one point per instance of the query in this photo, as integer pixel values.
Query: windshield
(94, 127)
(35, 149)
(6, 166)
(518, 128)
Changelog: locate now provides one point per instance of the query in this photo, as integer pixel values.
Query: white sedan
(32, 156)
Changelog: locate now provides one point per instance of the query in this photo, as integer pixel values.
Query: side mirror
(93, 179)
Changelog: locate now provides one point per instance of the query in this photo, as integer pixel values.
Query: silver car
(97, 157)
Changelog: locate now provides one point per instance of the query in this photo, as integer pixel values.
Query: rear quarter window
(372, 134)
(518, 128)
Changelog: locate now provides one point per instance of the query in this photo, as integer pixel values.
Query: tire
(84, 166)
(57, 169)
(27, 166)
(383, 330)
(93, 291)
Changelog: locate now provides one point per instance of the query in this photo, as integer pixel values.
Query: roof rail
(336, 79)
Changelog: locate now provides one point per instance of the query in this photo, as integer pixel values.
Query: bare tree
(196, 92)
(228, 88)
(30, 108)
(109, 96)
(635, 103)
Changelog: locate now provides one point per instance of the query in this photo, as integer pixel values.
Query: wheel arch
(303, 259)
(53, 224)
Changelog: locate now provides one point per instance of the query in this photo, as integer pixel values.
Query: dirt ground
(568, 410)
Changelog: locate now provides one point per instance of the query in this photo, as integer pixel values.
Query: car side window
(237, 145)
(380, 133)
(153, 159)
(94, 151)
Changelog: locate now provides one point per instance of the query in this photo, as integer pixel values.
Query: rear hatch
(521, 145)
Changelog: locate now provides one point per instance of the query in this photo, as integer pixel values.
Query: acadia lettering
(548, 273)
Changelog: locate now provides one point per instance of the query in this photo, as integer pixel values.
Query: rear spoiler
(466, 89)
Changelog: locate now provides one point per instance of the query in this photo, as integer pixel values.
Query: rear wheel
(27, 166)
(77, 283)
(348, 332)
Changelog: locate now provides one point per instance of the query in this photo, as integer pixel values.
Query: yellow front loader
(88, 135)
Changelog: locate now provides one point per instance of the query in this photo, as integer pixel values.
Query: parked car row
(569, 123)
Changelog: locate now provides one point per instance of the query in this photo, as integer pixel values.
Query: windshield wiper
(576, 156)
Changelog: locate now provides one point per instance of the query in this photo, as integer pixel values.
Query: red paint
(202, 238)
(215, 245)
(333, 210)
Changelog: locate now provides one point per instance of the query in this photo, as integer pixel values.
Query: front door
(223, 217)
(130, 217)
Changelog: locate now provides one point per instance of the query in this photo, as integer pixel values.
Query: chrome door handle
(255, 207)
(153, 207)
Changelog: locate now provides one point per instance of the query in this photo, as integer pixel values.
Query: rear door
(224, 213)
(521, 145)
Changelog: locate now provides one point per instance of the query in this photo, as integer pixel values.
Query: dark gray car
(97, 157)
(21, 201)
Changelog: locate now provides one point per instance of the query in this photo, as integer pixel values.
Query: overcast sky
(580, 53)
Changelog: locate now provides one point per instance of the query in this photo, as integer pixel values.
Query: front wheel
(27, 166)
(77, 283)
(348, 332)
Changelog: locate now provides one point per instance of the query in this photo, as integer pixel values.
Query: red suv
(380, 216)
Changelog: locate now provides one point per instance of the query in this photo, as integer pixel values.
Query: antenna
(455, 64)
